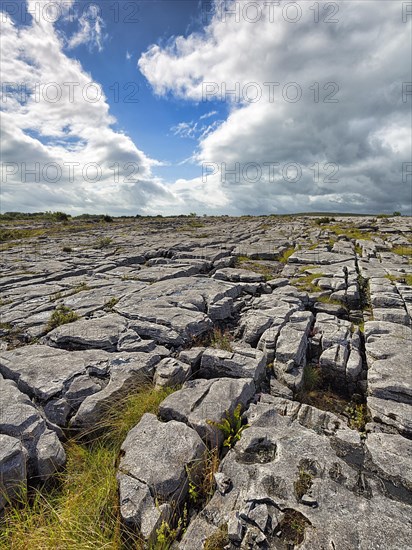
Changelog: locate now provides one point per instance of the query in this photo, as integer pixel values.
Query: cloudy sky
(178, 106)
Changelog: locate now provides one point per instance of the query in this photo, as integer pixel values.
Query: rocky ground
(305, 322)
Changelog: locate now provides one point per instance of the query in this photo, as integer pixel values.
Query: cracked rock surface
(302, 324)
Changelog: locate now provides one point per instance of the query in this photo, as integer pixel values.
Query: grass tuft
(286, 255)
(221, 339)
(218, 540)
(81, 510)
(61, 316)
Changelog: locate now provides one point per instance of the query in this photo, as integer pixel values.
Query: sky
(214, 106)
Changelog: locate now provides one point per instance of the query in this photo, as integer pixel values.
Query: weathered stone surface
(388, 353)
(42, 371)
(175, 311)
(12, 468)
(127, 372)
(20, 419)
(153, 466)
(291, 347)
(265, 467)
(171, 372)
(243, 363)
(150, 296)
(99, 333)
(202, 400)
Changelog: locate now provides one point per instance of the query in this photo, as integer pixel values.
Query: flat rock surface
(305, 321)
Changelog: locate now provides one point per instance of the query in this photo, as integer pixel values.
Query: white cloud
(208, 115)
(66, 137)
(90, 31)
(361, 61)
(128, 55)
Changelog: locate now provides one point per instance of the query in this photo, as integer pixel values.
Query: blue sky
(321, 119)
(147, 118)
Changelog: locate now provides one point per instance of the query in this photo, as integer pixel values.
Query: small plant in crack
(312, 378)
(201, 478)
(221, 339)
(103, 242)
(292, 527)
(166, 535)
(231, 426)
(61, 316)
(302, 484)
(218, 540)
(109, 305)
(358, 416)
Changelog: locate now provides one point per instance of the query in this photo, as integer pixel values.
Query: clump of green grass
(103, 242)
(324, 220)
(286, 255)
(78, 288)
(312, 378)
(202, 483)
(306, 282)
(329, 300)
(358, 250)
(17, 234)
(81, 510)
(402, 250)
(243, 262)
(221, 339)
(61, 316)
(218, 540)
(109, 305)
(292, 527)
(349, 231)
(302, 484)
(358, 416)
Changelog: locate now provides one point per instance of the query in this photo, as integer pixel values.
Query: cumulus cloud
(319, 108)
(59, 148)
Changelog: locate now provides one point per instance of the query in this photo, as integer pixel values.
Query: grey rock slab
(279, 390)
(290, 354)
(192, 356)
(97, 333)
(388, 353)
(317, 257)
(244, 363)
(156, 454)
(42, 371)
(176, 311)
(12, 468)
(87, 302)
(392, 315)
(127, 373)
(264, 467)
(391, 413)
(238, 275)
(202, 400)
(137, 506)
(391, 456)
(19, 418)
(165, 272)
(131, 341)
(171, 372)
